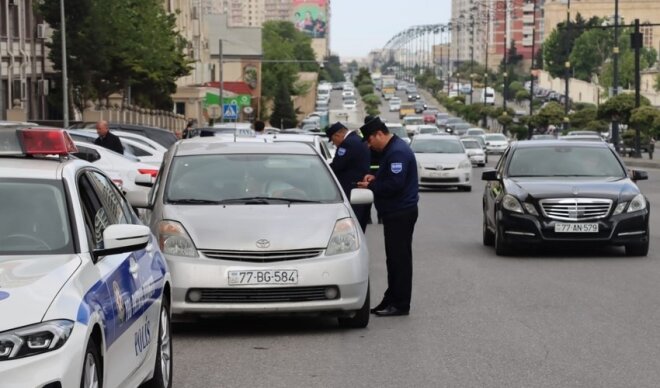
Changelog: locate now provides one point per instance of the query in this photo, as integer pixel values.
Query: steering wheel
(26, 237)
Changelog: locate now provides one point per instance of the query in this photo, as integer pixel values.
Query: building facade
(26, 75)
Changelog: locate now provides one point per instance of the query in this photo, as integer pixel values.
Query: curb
(641, 163)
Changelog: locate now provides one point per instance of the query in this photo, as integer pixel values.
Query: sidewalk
(643, 162)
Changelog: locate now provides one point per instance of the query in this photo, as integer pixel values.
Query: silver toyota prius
(256, 227)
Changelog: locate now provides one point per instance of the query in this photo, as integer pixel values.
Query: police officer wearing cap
(350, 164)
(396, 193)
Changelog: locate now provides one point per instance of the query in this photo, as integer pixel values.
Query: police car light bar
(36, 141)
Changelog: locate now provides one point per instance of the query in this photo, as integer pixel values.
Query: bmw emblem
(263, 243)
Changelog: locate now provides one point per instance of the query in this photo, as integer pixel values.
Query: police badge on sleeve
(396, 167)
(341, 151)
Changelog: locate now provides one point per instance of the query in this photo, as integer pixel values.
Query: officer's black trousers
(399, 227)
(362, 212)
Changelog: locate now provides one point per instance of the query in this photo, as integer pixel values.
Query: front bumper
(621, 229)
(435, 178)
(495, 149)
(62, 366)
(349, 273)
(478, 159)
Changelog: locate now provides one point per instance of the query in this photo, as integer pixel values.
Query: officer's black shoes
(391, 311)
(381, 306)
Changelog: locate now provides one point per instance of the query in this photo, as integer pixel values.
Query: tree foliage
(284, 115)
(551, 114)
(647, 119)
(118, 44)
(281, 41)
(332, 70)
(582, 118)
(620, 107)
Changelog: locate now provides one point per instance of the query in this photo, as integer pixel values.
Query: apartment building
(25, 73)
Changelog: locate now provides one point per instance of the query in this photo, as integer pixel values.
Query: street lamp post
(615, 70)
(472, 60)
(65, 78)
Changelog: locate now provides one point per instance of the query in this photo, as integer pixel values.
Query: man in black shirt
(107, 139)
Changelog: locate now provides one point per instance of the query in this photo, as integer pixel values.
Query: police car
(84, 288)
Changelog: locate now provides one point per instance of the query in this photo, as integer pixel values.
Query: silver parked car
(251, 227)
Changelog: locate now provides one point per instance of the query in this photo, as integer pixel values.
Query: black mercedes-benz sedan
(557, 191)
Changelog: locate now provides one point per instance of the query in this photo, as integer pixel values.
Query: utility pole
(567, 64)
(615, 69)
(222, 82)
(506, 61)
(636, 43)
(449, 39)
(65, 78)
(531, 84)
(486, 75)
(472, 61)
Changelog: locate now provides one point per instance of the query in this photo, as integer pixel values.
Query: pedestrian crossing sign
(229, 112)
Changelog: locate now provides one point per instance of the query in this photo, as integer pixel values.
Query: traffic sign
(248, 110)
(229, 112)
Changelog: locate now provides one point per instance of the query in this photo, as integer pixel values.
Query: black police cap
(373, 125)
(334, 128)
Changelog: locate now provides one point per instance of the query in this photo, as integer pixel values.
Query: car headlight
(531, 209)
(510, 203)
(36, 339)
(174, 240)
(620, 208)
(465, 164)
(638, 203)
(344, 238)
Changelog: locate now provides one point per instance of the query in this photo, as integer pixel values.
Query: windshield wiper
(264, 200)
(193, 201)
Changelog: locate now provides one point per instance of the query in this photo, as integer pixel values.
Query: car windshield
(35, 218)
(246, 178)
(471, 144)
(495, 137)
(413, 121)
(437, 146)
(565, 161)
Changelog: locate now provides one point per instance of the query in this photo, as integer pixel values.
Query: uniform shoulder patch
(341, 151)
(396, 167)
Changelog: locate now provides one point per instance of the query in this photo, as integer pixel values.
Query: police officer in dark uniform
(375, 160)
(107, 139)
(396, 193)
(350, 164)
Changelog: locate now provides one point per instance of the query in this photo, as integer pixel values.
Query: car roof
(215, 147)
(558, 143)
(435, 136)
(22, 167)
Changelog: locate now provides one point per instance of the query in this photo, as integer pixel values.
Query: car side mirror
(139, 199)
(123, 238)
(487, 143)
(489, 175)
(639, 175)
(362, 197)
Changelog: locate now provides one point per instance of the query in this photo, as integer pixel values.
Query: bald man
(107, 139)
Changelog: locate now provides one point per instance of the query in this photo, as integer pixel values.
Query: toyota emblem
(263, 243)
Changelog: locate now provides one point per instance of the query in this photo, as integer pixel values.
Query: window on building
(648, 36)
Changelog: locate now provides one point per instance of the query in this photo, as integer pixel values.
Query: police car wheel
(91, 373)
(163, 367)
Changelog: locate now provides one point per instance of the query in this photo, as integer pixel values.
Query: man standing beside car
(396, 194)
(107, 139)
(350, 164)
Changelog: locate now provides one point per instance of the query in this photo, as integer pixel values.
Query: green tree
(657, 83)
(645, 118)
(558, 46)
(551, 114)
(281, 41)
(589, 52)
(135, 44)
(620, 107)
(582, 118)
(522, 95)
(284, 115)
(626, 63)
(332, 69)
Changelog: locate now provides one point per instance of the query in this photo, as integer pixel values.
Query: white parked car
(123, 170)
(320, 144)
(442, 162)
(85, 293)
(496, 143)
(348, 93)
(144, 153)
(475, 152)
(399, 130)
(288, 241)
(395, 104)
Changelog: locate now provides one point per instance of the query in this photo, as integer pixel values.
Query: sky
(359, 26)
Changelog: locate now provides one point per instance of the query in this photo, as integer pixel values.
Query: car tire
(163, 368)
(488, 236)
(640, 249)
(502, 248)
(92, 372)
(361, 318)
